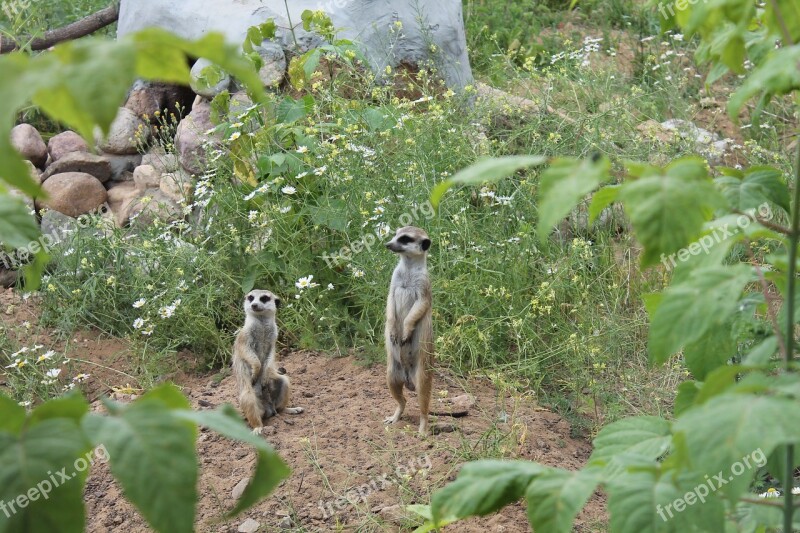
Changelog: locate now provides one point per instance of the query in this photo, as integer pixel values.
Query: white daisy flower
(358, 273)
(771, 493)
(285, 209)
(288, 190)
(53, 373)
(235, 135)
(47, 355)
(80, 377)
(302, 149)
(138, 323)
(139, 303)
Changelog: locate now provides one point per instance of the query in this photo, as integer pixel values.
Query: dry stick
(81, 28)
(766, 223)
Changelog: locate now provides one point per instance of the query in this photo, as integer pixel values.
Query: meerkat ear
(425, 244)
(277, 303)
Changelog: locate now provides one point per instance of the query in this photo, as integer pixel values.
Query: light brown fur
(409, 328)
(263, 392)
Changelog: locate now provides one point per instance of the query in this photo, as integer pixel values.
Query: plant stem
(788, 482)
(291, 26)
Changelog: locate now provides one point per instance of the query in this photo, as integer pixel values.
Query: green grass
(563, 318)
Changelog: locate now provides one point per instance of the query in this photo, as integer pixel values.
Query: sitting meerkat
(409, 328)
(263, 391)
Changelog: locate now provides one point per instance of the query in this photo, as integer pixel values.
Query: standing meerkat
(409, 328)
(263, 392)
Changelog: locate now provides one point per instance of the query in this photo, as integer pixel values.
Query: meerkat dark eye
(250, 298)
(405, 239)
(264, 299)
(277, 302)
(425, 244)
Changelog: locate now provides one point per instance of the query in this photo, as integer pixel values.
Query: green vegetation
(305, 187)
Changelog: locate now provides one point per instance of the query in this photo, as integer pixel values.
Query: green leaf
(72, 406)
(270, 469)
(483, 487)
(731, 427)
(291, 110)
(41, 482)
(777, 75)
(334, 215)
(758, 185)
(685, 398)
(705, 300)
(486, 169)
(601, 200)
(17, 227)
(556, 496)
(667, 211)
(12, 415)
(712, 350)
(563, 185)
(645, 436)
(762, 353)
(153, 457)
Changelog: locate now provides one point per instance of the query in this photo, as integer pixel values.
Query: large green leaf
(556, 496)
(711, 350)
(41, 475)
(668, 209)
(643, 436)
(777, 75)
(483, 487)
(487, 169)
(17, 227)
(153, 456)
(755, 187)
(564, 184)
(706, 299)
(270, 469)
(733, 432)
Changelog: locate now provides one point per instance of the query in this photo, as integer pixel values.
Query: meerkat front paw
(394, 338)
(391, 420)
(258, 430)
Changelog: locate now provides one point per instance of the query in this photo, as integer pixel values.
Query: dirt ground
(349, 471)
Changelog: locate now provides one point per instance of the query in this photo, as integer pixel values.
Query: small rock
(28, 142)
(58, 225)
(178, 185)
(164, 163)
(205, 403)
(392, 513)
(74, 193)
(146, 177)
(64, 143)
(149, 207)
(248, 526)
(126, 135)
(207, 79)
(85, 162)
(120, 194)
(238, 490)
(308, 394)
(240, 102)
(285, 523)
(122, 166)
(273, 68)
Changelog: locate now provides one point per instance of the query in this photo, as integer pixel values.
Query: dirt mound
(348, 469)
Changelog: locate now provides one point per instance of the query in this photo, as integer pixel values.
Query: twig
(81, 28)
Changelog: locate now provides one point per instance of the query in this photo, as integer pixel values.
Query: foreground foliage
(740, 416)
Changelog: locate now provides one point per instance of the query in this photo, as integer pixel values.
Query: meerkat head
(410, 241)
(261, 303)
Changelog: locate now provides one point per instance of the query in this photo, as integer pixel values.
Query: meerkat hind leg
(425, 381)
(281, 397)
(396, 389)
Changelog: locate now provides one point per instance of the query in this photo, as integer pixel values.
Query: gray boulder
(126, 135)
(64, 143)
(207, 80)
(97, 166)
(273, 67)
(191, 138)
(161, 162)
(73, 193)
(28, 142)
(369, 23)
(146, 177)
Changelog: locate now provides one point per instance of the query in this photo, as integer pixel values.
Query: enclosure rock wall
(426, 26)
